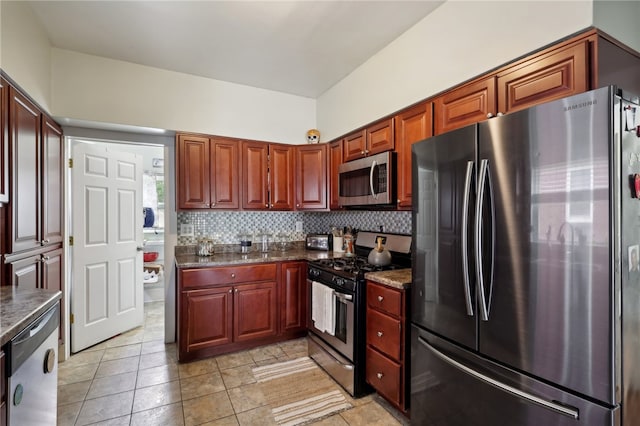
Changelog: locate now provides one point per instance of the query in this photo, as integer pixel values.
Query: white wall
(458, 41)
(92, 88)
(619, 19)
(26, 51)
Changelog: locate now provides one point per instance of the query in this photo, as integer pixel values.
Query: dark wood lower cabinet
(226, 309)
(386, 355)
(3, 391)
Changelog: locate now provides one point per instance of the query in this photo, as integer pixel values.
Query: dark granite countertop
(191, 260)
(397, 278)
(19, 308)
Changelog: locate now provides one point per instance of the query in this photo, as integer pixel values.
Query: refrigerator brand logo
(580, 105)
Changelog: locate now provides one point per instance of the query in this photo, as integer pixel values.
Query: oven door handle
(344, 297)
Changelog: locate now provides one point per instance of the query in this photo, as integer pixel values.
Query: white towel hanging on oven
(329, 311)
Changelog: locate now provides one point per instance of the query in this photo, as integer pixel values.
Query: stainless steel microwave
(369, 181)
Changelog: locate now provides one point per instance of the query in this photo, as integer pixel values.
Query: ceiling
(298, 47)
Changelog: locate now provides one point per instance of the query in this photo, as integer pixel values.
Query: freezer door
(453, 387)
(547, 274)
(443, 298)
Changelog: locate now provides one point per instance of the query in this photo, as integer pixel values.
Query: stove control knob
(314, 272)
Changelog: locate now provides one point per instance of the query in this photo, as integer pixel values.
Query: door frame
(159, 138)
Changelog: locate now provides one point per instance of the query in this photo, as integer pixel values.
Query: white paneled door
(107, 285)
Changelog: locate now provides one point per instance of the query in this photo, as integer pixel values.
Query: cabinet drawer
(227, 275)
(383, 333)
(384, 375)
(384, 299)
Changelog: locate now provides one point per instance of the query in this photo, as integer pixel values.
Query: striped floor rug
(299, 392)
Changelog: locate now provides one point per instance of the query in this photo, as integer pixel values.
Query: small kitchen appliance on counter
(319, 242)
(337, 337)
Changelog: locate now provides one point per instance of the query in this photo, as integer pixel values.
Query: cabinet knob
(271, 205)
(230, 291)
(236, 290)
(266, 205)
(45, 258)
(43, 242)
(366, 151)
(489, 115)
(213, 204)
(298, 205)
(379, 375)
(362, 152)
(379, 333)
(233, 275)
(380, 298)
(500, 114)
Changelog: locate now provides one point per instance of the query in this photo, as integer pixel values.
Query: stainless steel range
(338, 306)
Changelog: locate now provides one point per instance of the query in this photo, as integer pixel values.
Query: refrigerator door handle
(465, 242)
(551, 405)
(484, 311)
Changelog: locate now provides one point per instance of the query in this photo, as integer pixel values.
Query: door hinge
(71, 318)
(70, 163)
(70, 241)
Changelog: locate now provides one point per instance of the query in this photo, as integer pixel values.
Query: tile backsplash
(225, 226)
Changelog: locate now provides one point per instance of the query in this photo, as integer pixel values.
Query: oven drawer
(202, 277)
(384, 299)
(384, 375)
(383, 333)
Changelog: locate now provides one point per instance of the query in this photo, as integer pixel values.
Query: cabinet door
(25, 274)
(293, 296)
(465, 105)
(225, 179)
(281, 175)
(193, 186)
(354, 145)
(255, 314)
(545, 78)
(52, 268)
(4, 141)
(254, 175)
(411, 126)
(52, 180)
(335, 159)
(24, 134)
(206, 318)
(380, 137)
(311, 177)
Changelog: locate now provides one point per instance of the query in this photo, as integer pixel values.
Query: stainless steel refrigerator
(526, 295)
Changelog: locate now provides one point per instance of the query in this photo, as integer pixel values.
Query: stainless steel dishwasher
(33, 372)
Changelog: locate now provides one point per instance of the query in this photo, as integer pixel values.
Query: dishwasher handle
(28, 340)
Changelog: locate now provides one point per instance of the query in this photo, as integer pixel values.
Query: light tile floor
(135, 379)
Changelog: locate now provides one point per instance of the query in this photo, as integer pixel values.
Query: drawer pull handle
(379, 333)
(380, 298)
(380, 375)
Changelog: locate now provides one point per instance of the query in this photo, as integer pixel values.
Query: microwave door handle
(373, 166)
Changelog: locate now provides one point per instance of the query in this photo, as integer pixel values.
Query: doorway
(152, 225)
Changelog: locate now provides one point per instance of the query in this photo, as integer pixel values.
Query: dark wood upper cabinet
(550, 76)
(376, 138)
(255, 168)
(335, 159)
(4, 141)
(208, 172)
(25, 195)
(465, 105)
(52, 178)
(281, 177)
(311, 177)
(225, 179)
(193, 172)
(412, 125)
